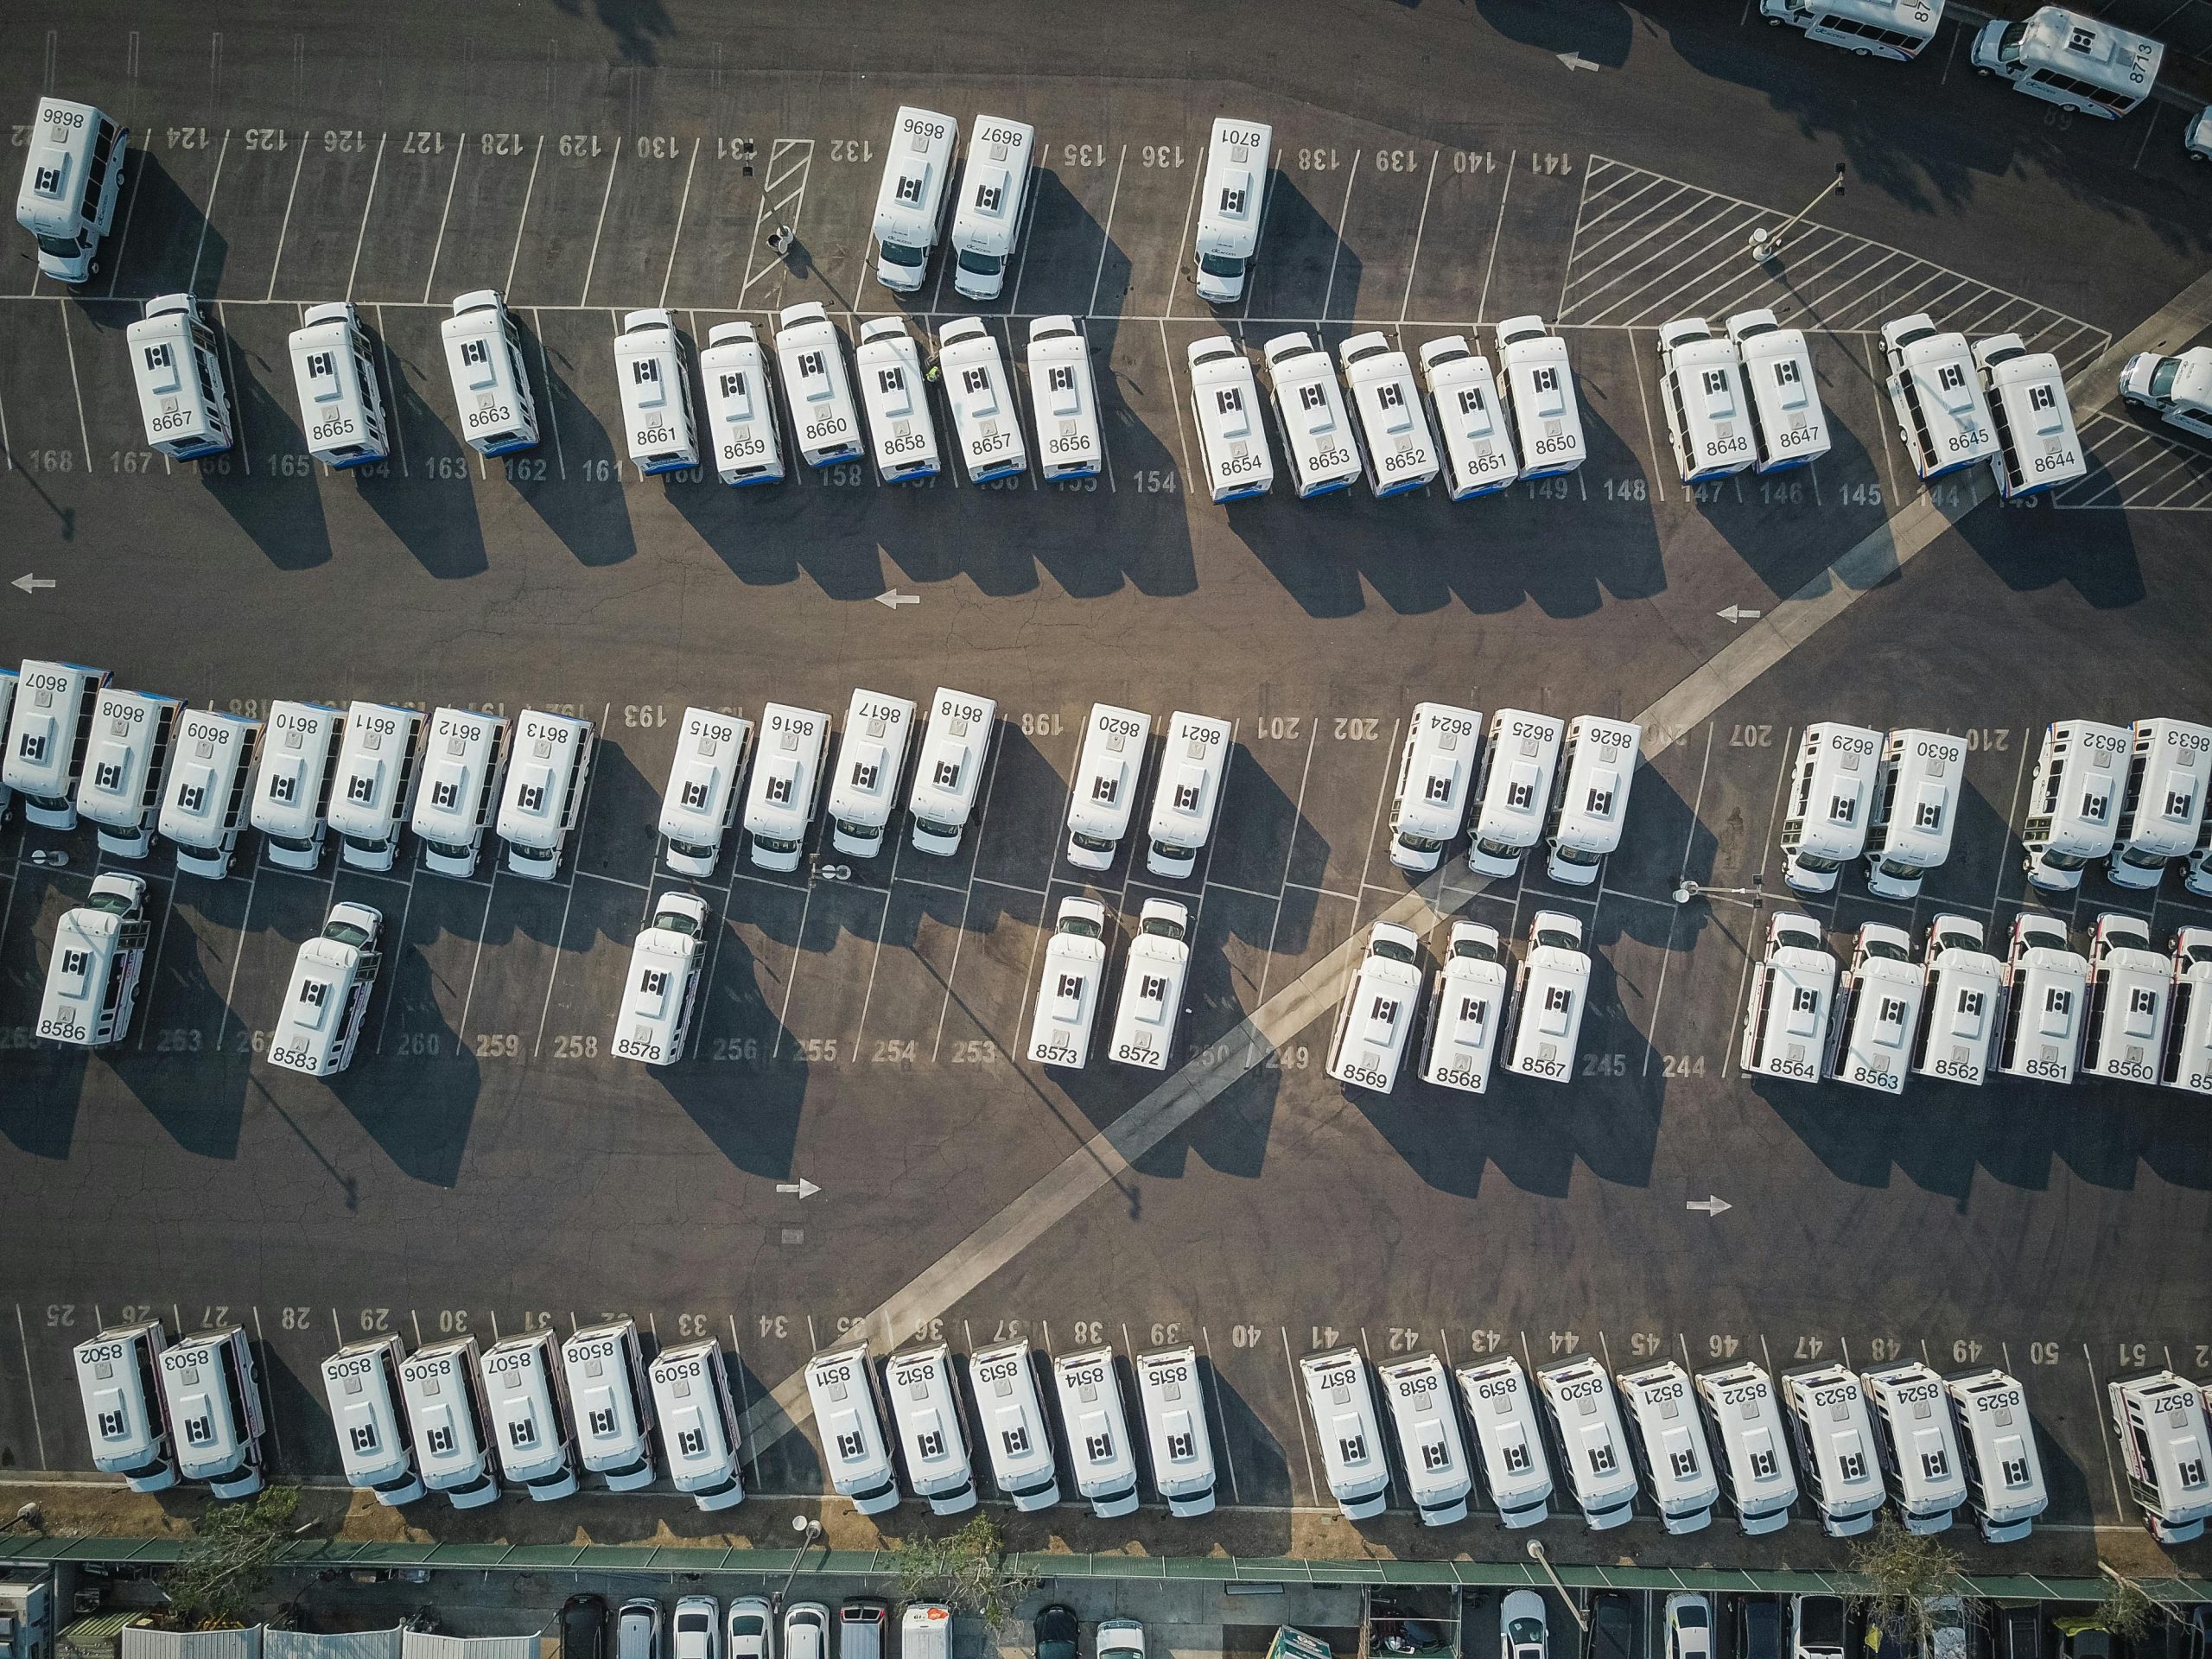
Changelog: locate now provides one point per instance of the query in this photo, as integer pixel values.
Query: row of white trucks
(540, 1413)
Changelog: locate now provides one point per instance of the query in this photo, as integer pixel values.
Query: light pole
(1765, 246)
(1536, 1553)
(1686, 890)
(809, 1528)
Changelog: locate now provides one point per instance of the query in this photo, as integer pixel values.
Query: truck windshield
(348, 933)
(1818, 865)
(1885, 951)
(115, 904)
(677, 921)
(1165, 928)
(1221, 264)
(897, 253)
(1391, 949)
(1557, 940)
(1475, 950)
(2059, 861)
(1082, 926)
(1567, 855)
(2008, 43)
(2162, 377)
(65, 247)
(1420, 843)
(1957, 942)
(983, 264)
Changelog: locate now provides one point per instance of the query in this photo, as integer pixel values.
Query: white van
(1964, 999)
(1871, 29)
(544, 800)
(1539, 397)
(183, 394)
(99, 955)
(1175, 1430)
(1016, 1433)
(1824, 827)
(1477, 441)
(119, 791)
(1399, 449)
(1920, 1447)
(2177, 387)
(1064, 400)
(1151, 1003)
(1466, 1008)
(1584, 1419)
(663, 986)
(1835, 1435)
(211, 1393)
(871, 759)
(1787, 422)
(1186, 796)
(985, 422)
(2085, 65)
(1417, 1393)
(1436, 774)
(48, 732)
(2037, 448)
(376, 758)
(2073, 800)
(900, 430)
(1106, 775)
(993, 192)
(491, 386)
(2046, 1002)
(1793, 991)
(1745, 1420)
(926, 1631)
(1343, 1406)
(1549, 997)
(2159, 1420)
(846, 1406)
(1670, 1448)
(443, 1388)
(698, 1424)
(949, 771)
(932, 1434)
(909, 203)
(7, 708)
(655, 383)
(327, 1002)
(2189, 1016)
(1508, 1444)
(815, 386)
(787, 777)
(1709, 422)
(605, 1369)
(291, 790)
(1316, 431)
(1942, 417)
(464, 761)
(1067, 995)
(1225, 403)
(1916, 797)
(1878, 1011)
(72, 175)
(700, 803)
(1997, 1445)
(1589, 808)
(1099, 1449)
(2165, 805)
(361, 1382)
(530, 1418)
(204, 802)
(342, 399)
(1515, 792)
(2124, 1036)
(1377, 1014)
(118, 1383)
(741, 435)
(1232, 208)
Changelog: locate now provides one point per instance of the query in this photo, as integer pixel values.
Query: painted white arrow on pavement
(1575, 60)
(1737, 613)
(892, 599)
(1711, 1206)
(31, 584)
(804, 1187)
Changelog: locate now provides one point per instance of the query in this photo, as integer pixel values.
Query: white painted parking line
(398, 943)
(376, 172)
(237, 954)
(1336, 257)
(461, 149)
(575, 869)
(882, 927)
(207, 216)
(399, 428)
(285, 227)
(783, 199)
(1420, 227)
(1650, 437)
(798, 955)
(599, 226)
(1496, 233)
(1106, 236)
(528, 190)
(1275, 930)
(682, 206)
(236, 359)
(77, 386)
(30, 1386)
(129, 207)
(468, 996)
(982, 819)
(1175, 253)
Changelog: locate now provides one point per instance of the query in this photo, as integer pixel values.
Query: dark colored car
(2022, 1634)
(1055, 1629)
(1613, 1626)
(583, 1624)
(1759, 1629)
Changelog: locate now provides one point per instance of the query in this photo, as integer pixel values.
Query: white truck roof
(1785, 396)
(1920, 1445)
(701, 799)
(182, 398)
(2087, 48)
(1176, 1434)
(1872, 1037)
(1792, 993)
(909, 202)
(871, 760)
(1417, 1393)
(1831, 799)
(1378, 1015)
(1344, 1426)
(1402, 453)
(1233, 196)
(2189, 1019)
(604, 1367)
(949, 770)
(1548, 999)
(901, 430)
(2004, 1469)
(1186, 796)
(1436, 776)
(1539, 393)
(1835, 1446)
(1591, 1439)
(1316, 427)
(786, 773)
(841, 1383)
(211, 768)
(1516, 791)
(543, 796)
(2129, 983)
(697, 1422)
(1016, 1436)
(1099, 1448)
(491, 388)
(1941, 413)
(63, 134)
(120, 785)
(1590, 800)
(1501, 1409)
(291, 788)
(741, 436)
(932, 1433)
(656, 995)
(1465, 1009)
(1963, 1003)
(1707, 412)
(1470, 416)
(1063, 399)
(985, 419)
(1744, 1415)
(1108, 768)
(1672, 1450)
(1225, 403)
(2038, 448)
(816, 385)
(1151, 1003)
(993, 189)
(1068, 993)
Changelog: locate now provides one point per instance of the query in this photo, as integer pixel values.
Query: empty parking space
(338, 183)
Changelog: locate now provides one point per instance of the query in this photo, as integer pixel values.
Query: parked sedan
(749, 1631)
(583, 1627)
(806, 1630)
(1524, 1630)
(637, 1629)
(1056, 1631)
(696, 1636)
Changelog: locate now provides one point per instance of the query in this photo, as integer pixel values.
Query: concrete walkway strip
(1108, 1154)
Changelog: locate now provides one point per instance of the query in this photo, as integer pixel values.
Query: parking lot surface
(487, 1165)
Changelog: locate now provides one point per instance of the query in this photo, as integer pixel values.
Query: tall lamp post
(1765, 245)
